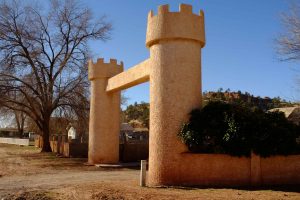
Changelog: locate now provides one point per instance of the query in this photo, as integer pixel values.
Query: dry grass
(27, 174)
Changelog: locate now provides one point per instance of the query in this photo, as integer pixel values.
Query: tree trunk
(46, 143)
(20, 121)
(21, 132)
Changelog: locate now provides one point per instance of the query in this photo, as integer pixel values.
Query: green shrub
(237, 130)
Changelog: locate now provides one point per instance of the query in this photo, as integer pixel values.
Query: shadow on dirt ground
(26, 174)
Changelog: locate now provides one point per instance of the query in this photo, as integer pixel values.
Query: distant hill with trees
(246, 99)
(137, 114)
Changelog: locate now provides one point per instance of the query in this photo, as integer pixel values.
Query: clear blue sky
(239, 53)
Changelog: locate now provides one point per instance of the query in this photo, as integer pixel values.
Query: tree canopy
(43, 56)
(289, 41)
(139, 112)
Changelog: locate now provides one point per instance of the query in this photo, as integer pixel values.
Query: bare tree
(77, 112)
(13, 118)
(289, 42)
(43, 57)
(20, 118)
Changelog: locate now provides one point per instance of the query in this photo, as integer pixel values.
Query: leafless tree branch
(43, 58)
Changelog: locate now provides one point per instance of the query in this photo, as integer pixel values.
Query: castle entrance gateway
(175, 40)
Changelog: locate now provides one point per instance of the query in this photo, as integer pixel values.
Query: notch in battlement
(101, 61)
(183, 8)
(102, 69)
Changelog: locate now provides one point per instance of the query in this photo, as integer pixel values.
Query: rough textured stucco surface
(225, 170)
(175, 25)
(175, 87)
(133, 76)
(212, 170)
(104, 125)
(175, 40)
(280, 170)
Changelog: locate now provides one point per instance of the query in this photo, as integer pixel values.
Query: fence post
(143, 173)
(255, 170)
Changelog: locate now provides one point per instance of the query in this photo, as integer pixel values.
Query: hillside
(264, 103)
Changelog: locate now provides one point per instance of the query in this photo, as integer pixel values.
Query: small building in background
(291, 113)
(32, 136)
(72, 133)
(13, 133)
(134, 143)
(126, 127)
(128, 133)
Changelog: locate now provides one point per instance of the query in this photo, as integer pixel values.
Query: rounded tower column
(104, 122)
(175, 40)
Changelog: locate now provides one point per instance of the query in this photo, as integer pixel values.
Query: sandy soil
(27, 174)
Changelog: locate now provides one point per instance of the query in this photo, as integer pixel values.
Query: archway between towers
(175, 40)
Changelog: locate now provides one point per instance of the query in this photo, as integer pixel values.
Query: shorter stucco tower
(175, 40)
(104, 125)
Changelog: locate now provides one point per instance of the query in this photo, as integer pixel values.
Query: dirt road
(27, 174)
(64, 177)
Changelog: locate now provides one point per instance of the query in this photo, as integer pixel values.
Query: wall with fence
(16, 141)
(225, 170)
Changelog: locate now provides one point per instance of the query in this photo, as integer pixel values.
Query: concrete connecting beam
(133, 76)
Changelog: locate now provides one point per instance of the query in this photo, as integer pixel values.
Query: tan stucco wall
(102, 69)
(175, 40)
(175, 86)
(211, 170)
(133, 76)
(225, 170)
(104, 124)
(168, 25)
(280, 170)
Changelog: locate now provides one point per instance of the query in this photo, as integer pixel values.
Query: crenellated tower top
(168, 25)
(101, 69)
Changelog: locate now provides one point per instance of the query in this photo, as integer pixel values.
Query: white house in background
(72, 133)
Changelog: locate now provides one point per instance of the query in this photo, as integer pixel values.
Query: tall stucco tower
(175, 40)
(104, 113)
